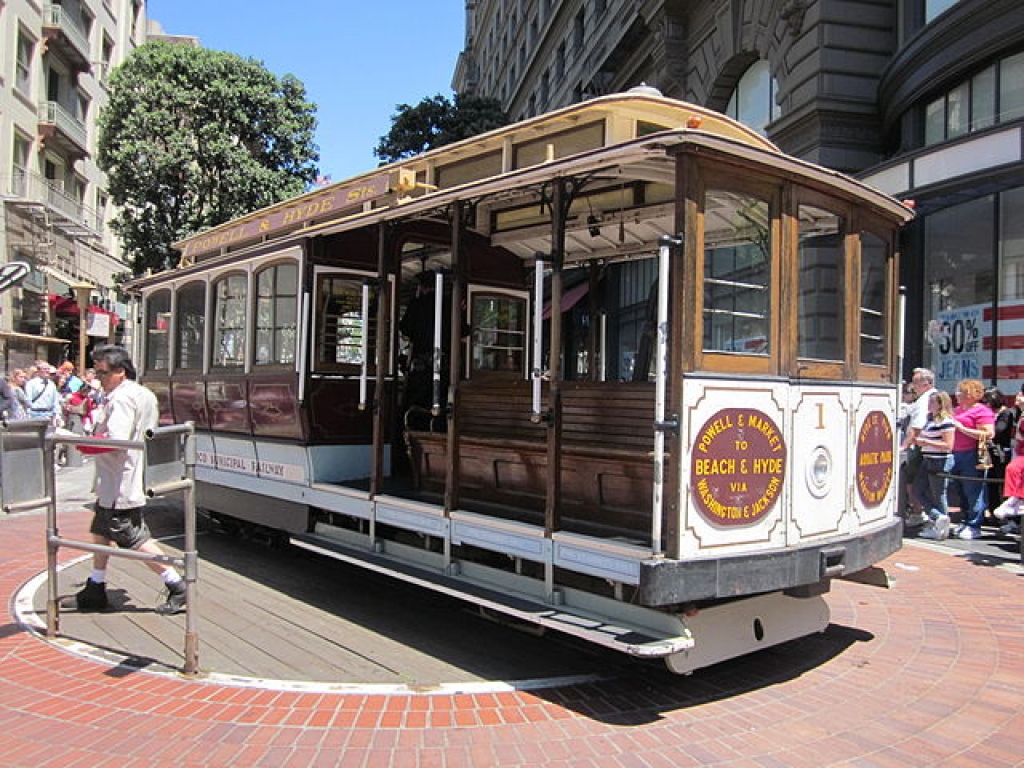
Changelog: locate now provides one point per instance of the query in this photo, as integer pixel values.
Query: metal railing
(52, 113)
(26, 187)
(56, 16)
(170, 468)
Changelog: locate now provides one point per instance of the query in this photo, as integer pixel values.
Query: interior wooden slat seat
(607, 453)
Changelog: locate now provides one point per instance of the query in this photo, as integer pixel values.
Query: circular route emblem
(737, 466)
(874, 459)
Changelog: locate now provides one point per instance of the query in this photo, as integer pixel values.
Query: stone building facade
(920, 97)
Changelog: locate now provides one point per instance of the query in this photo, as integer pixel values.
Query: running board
(633, 641)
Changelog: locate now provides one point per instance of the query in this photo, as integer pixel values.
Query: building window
(101, 211)
(560, 60)
(934, 8)
(23, 67)
(753, 100)
(1011, 88)
(578, 30)
(959, 285)
(19, 165)
(276, 299)
(977, 102)
(1011, 245)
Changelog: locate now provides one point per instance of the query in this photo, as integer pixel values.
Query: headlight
(819, 472)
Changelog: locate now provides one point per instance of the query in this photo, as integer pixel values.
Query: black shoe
(92, 597)
(175, 602)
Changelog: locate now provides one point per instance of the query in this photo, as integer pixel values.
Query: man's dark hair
(115, 356)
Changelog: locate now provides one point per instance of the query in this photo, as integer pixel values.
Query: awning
(570, 298)
(65, 306)
(32, 337)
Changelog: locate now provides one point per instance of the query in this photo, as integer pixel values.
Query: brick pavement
(927, 673)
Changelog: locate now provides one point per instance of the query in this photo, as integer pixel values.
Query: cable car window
(190, 317)
(229, 318)
(158, 323)
(821, 254)
(499, 333)
(737, 273)
(339, 333)
(873, 321)
(276, 296)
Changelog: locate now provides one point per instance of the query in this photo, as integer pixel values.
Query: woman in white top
(936, 441)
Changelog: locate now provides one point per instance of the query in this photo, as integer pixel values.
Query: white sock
(171, 577)
(98, 576)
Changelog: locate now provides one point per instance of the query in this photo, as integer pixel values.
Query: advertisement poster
(962, 343)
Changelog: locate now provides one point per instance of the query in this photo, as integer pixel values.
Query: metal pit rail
(27, 481)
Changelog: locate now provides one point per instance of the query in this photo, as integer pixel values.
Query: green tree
(191, 138)
(435, 122)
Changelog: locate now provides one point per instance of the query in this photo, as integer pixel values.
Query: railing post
(191, 555)
(52, 545)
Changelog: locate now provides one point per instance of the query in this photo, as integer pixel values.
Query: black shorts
(124, 527)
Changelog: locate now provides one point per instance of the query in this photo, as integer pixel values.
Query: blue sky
(358, 60)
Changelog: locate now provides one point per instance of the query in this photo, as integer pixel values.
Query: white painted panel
(820, 469)
(735, 468)
(338, 463)
(874, 499)
(893, 181)
(984, 152)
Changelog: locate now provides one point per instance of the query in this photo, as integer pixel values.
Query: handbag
(984, 455)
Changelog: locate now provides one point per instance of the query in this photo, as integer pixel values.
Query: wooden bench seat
(607, 456)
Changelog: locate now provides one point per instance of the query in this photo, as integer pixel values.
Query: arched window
(191, 324)
(158, 321)
(753, 99)
(229, 321)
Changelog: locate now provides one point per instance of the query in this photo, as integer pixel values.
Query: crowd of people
(58, 394)
(970, 455)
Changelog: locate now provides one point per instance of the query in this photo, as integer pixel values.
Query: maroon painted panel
(273, 406)
(334, 415)
(162, 389)
(188, 399)
(227, 404)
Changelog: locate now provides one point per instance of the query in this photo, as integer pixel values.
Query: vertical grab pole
(364, 345)
(435, 407)
(538, 340)
(660, 377)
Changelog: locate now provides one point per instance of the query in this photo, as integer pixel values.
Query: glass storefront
(974, 291)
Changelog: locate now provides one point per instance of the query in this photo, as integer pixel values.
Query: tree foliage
(191, 138)
(435, 122)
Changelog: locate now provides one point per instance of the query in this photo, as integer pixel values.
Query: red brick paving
(928, 673)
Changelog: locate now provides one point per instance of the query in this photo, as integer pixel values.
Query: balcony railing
(53, 114)
(57, 18)
(65, 213)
